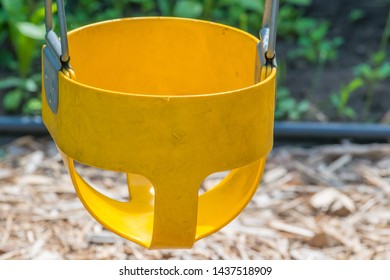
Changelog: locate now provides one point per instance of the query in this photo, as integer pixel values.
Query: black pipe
(283, 130)
(332, 130)
(21, 125)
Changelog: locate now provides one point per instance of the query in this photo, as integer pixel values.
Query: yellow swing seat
(171, 100)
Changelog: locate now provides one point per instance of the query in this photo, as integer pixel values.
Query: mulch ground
(326, 202)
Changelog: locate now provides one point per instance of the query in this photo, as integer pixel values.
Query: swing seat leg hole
(109, 183)
(212, 181)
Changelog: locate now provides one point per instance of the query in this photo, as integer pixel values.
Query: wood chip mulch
(326, 202)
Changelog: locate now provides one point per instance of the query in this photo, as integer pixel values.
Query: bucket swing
(168, 101)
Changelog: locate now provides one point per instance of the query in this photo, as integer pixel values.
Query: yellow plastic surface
(171, 100)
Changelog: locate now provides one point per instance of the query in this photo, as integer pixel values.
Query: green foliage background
(22, 33)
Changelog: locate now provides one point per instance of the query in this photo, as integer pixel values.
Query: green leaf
(335, 99)
(378, 57)
(303, 106)
(37, 78)
(356, 15)
(25, 49)
(3, 17)
(363, 70)
(283, 92)
(349, 112)
(31, 30)
(12, 100)
(302, 25)
(10, 82)
(337, 42)
(251, 5)
(294, 115)
(288, 104)
(384, 71)
(164, 7)
(355, 84)
(33, 106)
(16, 10)
(30, 85)
(188, 8)
(319, 32)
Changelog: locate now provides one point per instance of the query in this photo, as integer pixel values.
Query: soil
(361, 38)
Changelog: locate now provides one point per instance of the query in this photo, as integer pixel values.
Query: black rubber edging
(307, 130)
(22, 125)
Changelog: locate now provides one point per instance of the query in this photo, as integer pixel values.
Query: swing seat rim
(167, 95)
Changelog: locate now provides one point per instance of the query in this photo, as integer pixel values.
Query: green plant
(289, 108)
(340, 99)
(356, 15)
(21, 91)
(292, 23)
(21, 32)
(25, 28)
(24, 25)
(376, 70)
(245, 14)
(82, 12)
(4, 53)
(242, 13)
(314, 45)
(309, 35)
(188, 8)
(367, 76)
(166, 6)
(372, 73)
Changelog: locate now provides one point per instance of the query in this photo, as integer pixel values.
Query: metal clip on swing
(168, 117)
(267, 44)
(55, 53)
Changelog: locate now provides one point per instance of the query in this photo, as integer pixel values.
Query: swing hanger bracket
(268, 32)
(55, 54)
